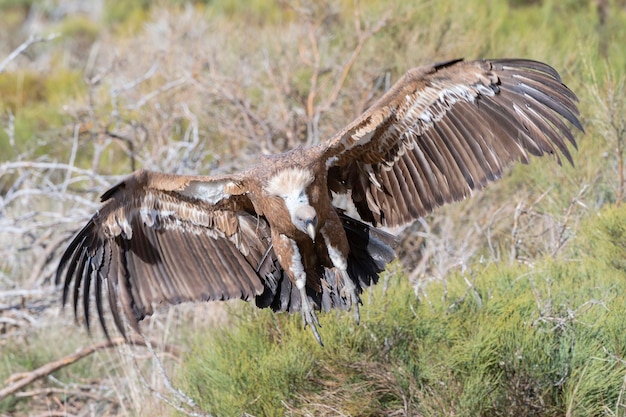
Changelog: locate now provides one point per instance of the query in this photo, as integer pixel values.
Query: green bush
(517, 341)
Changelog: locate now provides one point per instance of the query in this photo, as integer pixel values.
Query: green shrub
(517, 341)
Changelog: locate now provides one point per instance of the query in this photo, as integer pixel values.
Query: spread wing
(443, 130)
(162, 238)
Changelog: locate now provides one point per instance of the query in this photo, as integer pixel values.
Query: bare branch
(181, 401)
(20, 380)
(9, 166)
(65, 392)
(165, 87)
(347, 66)
(562, 238)
(33, 39)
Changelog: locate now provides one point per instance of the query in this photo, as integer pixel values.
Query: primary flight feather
(271, 233)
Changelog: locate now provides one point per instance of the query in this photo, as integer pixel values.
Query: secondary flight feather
(272, 234)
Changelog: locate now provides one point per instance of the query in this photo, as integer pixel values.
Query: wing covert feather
(444, 130)
(164, 239)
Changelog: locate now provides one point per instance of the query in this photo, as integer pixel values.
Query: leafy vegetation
(510, 303)
(501, 340)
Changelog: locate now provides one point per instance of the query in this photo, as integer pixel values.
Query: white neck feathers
(289, 182)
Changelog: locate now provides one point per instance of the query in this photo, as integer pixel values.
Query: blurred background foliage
(509, 304)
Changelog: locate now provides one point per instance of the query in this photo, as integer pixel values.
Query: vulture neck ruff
(290, 185)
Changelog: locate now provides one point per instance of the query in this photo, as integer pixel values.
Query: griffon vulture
(271, 233)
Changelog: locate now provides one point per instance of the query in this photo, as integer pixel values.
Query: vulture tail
(370, 251)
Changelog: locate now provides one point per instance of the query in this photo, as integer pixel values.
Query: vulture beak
(310, 229)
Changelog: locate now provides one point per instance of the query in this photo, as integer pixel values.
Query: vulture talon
(349, 293)
(309, 317)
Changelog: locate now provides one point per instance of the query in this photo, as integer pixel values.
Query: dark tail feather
(370, 251)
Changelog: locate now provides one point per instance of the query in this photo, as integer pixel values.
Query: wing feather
(88, 268)
(79, 278)
(112, 286)
(105, 263)
(444, 130)
(163, 239)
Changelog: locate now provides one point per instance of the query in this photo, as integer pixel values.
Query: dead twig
(164, 88)
(520, 211)
(562, 238)
(314, 112)
(33, 165)
(44, 259)
(33, 39)
(363, 37)
(23, 293)
(177, 398)
(20, 380)
(64, 391)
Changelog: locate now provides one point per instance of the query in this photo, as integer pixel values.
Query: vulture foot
(348, 292)
(309, 317)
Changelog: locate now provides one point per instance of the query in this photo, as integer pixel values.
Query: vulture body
(272, 234)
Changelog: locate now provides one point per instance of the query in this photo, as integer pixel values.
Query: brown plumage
(272, 232)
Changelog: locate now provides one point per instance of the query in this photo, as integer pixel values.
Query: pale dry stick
(191, 136)
(30, 227)
(611, 124)
(193, 125)
(382, 83)
(183, 401)
(134, 83)
(426, 254)
(575, 201)
(20, 380)
(9, 166)
(130, 145)
(10, 129)
(61, 413)
(45, 258)
(571, 406)
(520, 210)
(613, 356)
(10, 321)
(115, 91)
(310, 101)
(280, 99)
(492, 219)
(90, 64)
(619, 403)
(64, 391)
(24, 316)
(23, 293)
(50, 194)
(164, 88)
(32, 39)
(363, 37)
(251, 119)
(314, 112)
(68, 173)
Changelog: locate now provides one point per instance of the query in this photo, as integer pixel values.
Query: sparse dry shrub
(609, 97)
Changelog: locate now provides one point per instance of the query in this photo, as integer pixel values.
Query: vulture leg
(291, 260)
(348, 292)
(308, 313)
(347, 289)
